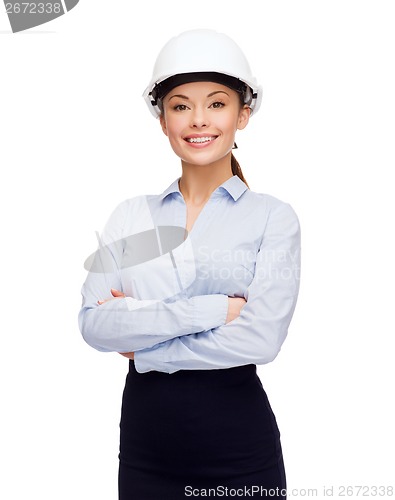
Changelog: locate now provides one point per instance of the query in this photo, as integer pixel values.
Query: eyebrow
(208, 95)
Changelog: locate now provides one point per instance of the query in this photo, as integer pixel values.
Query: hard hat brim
(163, 88)
(156, 92)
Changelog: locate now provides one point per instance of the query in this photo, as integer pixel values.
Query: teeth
(200, 139)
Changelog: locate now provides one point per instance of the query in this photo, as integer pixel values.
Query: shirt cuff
(209, 311)
(150, 359)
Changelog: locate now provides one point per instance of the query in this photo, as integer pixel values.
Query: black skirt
(196, 430)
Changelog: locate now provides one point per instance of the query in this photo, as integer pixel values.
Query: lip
(200, 145)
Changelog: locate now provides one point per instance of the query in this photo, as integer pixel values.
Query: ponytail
(236, 169)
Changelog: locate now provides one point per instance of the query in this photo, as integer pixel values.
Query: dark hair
(235, 84)
(236, 169)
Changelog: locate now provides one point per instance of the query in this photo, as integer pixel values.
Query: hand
(129, 355)
(235, 304)
(116, 294)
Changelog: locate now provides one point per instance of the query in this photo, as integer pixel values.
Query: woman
(204, 280)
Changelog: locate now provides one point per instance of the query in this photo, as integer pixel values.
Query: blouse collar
(234, 186)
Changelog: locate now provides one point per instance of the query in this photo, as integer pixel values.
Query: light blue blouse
(243, 244)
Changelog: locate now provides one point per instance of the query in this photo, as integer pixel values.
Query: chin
(202, 159)
(202, 162)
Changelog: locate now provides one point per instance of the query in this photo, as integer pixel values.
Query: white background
(76, 138)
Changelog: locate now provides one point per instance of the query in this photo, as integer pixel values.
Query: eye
(180, 107)
(217, 105)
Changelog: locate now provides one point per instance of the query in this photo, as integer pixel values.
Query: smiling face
(201, 119)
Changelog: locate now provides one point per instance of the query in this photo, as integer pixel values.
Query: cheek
(172, 134)
(174, 126)
(228, 122)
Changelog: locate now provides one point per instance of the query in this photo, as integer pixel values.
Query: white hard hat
(202, 55)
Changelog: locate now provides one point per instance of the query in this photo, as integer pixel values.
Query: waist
(218, 377)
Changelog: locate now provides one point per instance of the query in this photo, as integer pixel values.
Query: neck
(197, 182)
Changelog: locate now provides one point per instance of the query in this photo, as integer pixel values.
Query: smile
(200, 139)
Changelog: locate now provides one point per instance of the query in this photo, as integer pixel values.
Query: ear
(163, 123)
(244, 117)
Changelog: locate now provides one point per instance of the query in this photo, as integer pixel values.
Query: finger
(100, 302)
(117, 293)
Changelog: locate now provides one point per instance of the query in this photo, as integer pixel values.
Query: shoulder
(132, 215)
(270, 207)
(124, 208)
(131, 204)
(278, 223)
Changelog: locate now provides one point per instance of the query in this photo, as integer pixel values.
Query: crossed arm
(208, 331)
(235, 305)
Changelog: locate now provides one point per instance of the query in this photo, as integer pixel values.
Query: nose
(199, 118)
